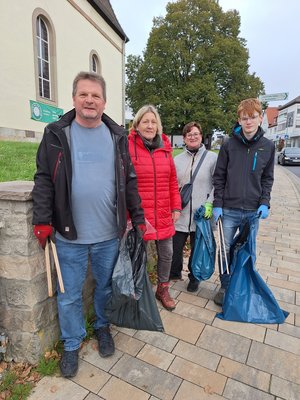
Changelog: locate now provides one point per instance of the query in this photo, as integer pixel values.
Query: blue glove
(263, 211)
(217, 213)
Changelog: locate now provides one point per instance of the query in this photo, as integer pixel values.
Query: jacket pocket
(57, 165)
(260, 159)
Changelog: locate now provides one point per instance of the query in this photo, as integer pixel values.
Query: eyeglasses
(191, 135)
(245, 119)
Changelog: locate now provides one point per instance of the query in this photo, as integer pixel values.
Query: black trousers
(179, 240)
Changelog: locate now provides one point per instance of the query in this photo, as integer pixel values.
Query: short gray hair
(142, 111)
(92, 76)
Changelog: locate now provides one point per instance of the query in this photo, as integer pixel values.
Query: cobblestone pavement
(200, 356)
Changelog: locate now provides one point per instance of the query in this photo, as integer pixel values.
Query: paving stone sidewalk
(200, 356)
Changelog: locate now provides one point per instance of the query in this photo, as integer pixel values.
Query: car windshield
(292, 150)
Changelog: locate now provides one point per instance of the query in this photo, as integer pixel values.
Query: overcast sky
(270, 27)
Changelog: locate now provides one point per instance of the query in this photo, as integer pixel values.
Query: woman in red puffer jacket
(151, 155)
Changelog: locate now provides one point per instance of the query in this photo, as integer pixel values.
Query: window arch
(95, 65)
(45, 57)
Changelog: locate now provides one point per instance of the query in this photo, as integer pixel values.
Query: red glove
(42, 232)
(142, 229)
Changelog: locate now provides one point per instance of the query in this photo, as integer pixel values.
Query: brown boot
(162, 294)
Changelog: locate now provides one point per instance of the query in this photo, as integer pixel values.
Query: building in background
(217, 139)
(269, 118)
(285, 131)
(44, 44)
(128, 117)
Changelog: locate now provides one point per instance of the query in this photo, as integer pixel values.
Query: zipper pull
(254, 161)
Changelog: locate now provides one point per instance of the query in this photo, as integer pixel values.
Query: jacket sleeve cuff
(264, 203)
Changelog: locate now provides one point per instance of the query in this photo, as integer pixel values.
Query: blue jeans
(233, 221)
(73, 259)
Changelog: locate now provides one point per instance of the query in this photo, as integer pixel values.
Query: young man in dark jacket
(84, 185)
(243, 178)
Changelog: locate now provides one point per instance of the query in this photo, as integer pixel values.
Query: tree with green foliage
(195, 67)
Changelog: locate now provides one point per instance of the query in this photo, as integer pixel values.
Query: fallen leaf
(55, 354)
(208, 389)
(5, 395)
(34, 377)
(26, 372)
(53, 389)
(94, 346)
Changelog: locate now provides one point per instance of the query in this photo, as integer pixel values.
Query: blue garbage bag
(248, 298)
(203, 261)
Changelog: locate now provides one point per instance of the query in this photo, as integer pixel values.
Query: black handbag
(187, 189)
(185, 194)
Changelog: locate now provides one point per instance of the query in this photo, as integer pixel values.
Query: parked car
(289, 156)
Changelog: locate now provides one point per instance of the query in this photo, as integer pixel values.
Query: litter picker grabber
(222, 244)
(57, 267)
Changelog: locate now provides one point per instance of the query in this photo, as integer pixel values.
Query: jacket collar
(237, 133)
(133, 135)
(195, 153)
(67, 119)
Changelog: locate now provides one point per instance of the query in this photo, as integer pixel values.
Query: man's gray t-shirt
(93, 184)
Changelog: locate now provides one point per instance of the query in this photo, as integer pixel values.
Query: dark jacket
(52, 190)
(243, 177)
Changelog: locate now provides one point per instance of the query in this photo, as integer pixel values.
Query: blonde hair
(144, 110)
(248, 107)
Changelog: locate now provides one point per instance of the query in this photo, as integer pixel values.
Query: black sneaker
(69, 363)
(105, 341)
(219, 297)
(192, 286)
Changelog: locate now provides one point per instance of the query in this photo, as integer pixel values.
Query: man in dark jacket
(243, 178)
(84, 185)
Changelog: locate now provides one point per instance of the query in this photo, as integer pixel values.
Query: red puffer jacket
(157, 184)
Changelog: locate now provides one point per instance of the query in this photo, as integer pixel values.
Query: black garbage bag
(132, 304)
(122, 278)
(139, 314)
(248, 298)
(138, 256)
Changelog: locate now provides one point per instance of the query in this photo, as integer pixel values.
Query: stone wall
(19, 135)
(27, 315)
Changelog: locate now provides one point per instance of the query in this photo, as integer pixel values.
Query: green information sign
(43, 112)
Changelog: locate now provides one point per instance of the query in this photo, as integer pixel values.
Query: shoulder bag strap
(198, 166)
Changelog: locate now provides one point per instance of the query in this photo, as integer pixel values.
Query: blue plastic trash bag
(248, 298)
(203, 262)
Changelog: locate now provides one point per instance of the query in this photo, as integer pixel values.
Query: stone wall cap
(16, 190)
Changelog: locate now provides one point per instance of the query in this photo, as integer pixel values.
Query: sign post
(273, 97)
